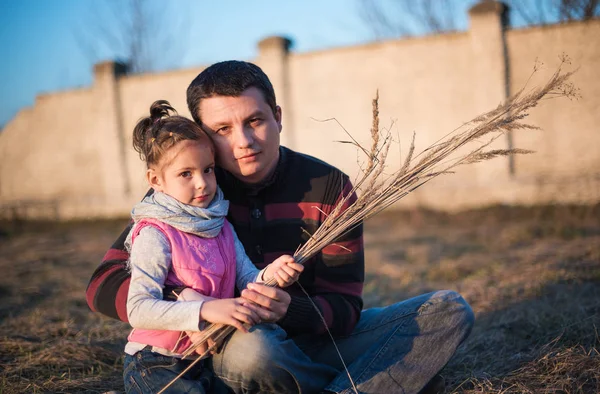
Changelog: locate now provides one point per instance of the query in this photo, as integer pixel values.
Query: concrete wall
(138, 92)
(426, 85)
(566, 166)
(70, 155)
(61, 157)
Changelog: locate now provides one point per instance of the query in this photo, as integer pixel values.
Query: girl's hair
(155, 134)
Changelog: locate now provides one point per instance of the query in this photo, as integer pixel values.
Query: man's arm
(108, 288)
(337, 286)
(337, 293)
(107, 291)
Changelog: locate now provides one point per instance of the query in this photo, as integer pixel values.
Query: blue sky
(42, 40)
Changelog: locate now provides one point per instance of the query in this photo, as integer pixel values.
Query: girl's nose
(200, 183)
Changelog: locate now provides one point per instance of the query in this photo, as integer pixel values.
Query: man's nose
(244, 137)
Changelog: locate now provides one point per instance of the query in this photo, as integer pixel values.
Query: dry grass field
(532, 276)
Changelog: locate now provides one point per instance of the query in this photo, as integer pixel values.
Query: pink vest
(206, 265)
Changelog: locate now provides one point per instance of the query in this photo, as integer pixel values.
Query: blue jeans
(147, 373)
(394, 349)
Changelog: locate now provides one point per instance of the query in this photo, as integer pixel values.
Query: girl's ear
(154, 179)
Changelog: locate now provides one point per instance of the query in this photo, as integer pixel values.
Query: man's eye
(186, 174)
(255, 121)
(222, 130)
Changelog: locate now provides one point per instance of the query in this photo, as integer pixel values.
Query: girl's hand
(232, 311)
(284, 270)
(188, 294)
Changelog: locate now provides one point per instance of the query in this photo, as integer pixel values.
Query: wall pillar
(491, 78)
(488, 21)
(114, 185)
(273, 59)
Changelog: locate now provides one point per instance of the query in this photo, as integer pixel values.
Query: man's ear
(154, 179)
(278, 116)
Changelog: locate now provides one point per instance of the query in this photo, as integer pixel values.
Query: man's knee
(459, 313)
(255, 347)
(254, 358)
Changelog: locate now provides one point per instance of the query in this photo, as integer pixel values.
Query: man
(277, 197)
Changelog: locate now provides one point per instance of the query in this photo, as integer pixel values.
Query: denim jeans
(147, 373)
(393, 349)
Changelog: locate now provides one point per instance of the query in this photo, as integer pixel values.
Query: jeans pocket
(148, 360)
(147, 372)
(132, 386)
(130, 371)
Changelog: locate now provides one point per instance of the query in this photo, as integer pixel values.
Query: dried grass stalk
(377, 191)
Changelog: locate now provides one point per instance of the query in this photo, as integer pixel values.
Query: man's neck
(266, 181)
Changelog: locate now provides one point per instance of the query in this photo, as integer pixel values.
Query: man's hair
(229, 78)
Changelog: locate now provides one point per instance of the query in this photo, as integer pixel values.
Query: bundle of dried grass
(377, 191)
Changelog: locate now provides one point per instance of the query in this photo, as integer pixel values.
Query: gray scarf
(203, 222)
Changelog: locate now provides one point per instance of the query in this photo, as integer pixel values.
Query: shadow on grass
(532, 276)
(549, 340)
(546, 341)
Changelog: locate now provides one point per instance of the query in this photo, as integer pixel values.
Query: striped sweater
(273, 219)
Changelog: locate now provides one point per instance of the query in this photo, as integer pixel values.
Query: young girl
(181, 238)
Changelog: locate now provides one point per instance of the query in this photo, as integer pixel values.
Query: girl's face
(186, 172)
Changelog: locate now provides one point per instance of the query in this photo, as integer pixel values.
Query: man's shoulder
(309, 164)
(310, 179)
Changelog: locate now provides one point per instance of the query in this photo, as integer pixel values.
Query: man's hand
(273, 301)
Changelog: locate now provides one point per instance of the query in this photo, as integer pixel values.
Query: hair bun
(160, 109)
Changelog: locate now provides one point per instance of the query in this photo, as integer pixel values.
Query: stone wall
(70, 156)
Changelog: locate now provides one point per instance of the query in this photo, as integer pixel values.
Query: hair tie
(152, 140)
(156, 120)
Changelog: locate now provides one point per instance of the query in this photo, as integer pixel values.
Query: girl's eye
(186, 174)
(209, 170)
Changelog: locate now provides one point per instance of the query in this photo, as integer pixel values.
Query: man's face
(245, 132)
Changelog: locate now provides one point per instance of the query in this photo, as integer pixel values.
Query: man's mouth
(247, 157)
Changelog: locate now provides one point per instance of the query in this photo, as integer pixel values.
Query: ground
(532, 276)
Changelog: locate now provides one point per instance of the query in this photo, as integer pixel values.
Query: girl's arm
(150, 260)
